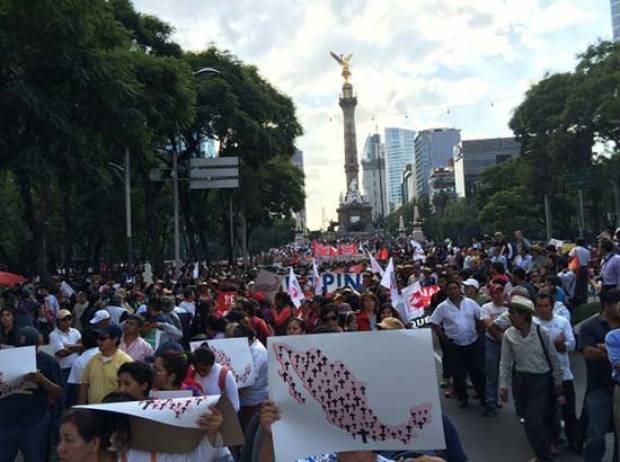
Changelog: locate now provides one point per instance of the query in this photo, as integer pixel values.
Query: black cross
(363, 409)
(347, 374)
(284, 376)
(310, 380)
(357, 400)
(341, 382)
(363, 388)
(286, 365)
(364, 434)
(329, 392)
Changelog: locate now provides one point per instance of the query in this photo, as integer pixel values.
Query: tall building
(433, 149)
(472, 157)
(298, 161)
(399, 151)
(441, 180)
(615, 19)
(407, 185)
(373, 175)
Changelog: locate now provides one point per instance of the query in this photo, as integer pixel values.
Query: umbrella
(10, 279)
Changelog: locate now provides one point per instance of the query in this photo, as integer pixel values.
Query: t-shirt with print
(492, 312)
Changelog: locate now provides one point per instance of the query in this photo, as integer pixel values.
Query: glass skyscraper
(615, 18)
(433, 149)
(399, 151)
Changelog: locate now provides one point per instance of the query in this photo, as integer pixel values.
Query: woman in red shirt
(367, 315)
(281, 312)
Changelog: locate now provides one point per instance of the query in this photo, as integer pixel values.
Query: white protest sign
(15, 363)
(178, 412)
(359, 391)
(234, 353)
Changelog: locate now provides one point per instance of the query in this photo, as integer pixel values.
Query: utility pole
(582, 219)
(175, 186)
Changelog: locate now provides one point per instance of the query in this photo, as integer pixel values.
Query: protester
(283, 309)
(295, 326)
(561, 333)
(170, 371)
(367, 316)
(25, 418)
(598, 401)
(131, 341)
(489, 313)
(457, 322)
(610, 267)
(8, 332)
(135, 379)
(528, 350)
(99, 376)
(253, 396)
(212, 378)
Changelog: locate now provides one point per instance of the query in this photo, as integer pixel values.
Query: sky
(416, 64)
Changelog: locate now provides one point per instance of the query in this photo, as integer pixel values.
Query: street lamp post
(175, 185)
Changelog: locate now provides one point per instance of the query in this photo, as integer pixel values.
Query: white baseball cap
(100, 315)
(472, 283)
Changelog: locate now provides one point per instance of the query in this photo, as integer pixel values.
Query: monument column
(348, 103)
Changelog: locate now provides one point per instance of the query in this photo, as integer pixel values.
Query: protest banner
(170, 425)
(234, 353)
(15, 363)
(268, 283)
(351, 397)
(333, 281)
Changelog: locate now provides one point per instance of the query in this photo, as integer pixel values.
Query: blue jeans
(598, 405)
(31, 440)
(493, 351)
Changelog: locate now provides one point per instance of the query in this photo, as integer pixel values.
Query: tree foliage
(81, 82)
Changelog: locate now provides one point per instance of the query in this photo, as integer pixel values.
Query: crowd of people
(502, 314)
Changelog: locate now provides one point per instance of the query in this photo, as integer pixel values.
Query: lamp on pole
(175, 182)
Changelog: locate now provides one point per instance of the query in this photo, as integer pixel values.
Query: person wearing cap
(489, 313)
(457, 323)
(131, 342)
(101, 319)
(561, 333)
(66, 343)
(529, 355)
(390, 324)
(610, 267)
(100, 376)
(25, 420)
(471, 288)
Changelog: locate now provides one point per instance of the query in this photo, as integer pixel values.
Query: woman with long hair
(367, 315)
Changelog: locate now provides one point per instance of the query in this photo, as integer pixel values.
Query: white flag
(389, 282)
(294, 289)
(375, 266)
(196, 271)
(413, 300)
(316, 278)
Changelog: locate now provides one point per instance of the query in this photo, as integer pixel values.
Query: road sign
(227, 183)
(214, 162)
(214, 173)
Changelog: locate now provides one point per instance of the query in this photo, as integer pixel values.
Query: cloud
(415, 58)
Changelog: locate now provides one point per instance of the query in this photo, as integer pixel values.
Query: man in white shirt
(252, 397)
(116, 308)
(66, 345)
(213, 378)
(489, 313)
(188, 305)
(561, 333)
(457, 322)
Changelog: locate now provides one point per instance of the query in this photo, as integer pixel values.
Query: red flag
(224, 301)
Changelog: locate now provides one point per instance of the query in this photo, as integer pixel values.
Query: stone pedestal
(354, 217)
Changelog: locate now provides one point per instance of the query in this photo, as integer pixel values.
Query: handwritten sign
(352, 398)
(15, 363)
(234, 353)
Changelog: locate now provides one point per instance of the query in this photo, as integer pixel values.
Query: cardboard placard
(234, 353)
(15, 363)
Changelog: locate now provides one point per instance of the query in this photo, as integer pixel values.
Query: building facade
(433, 149)
(615, 19)
(407, 185)
(298, 161)
(399, 151)
(441, 180)
(374, 175)
(472, 157)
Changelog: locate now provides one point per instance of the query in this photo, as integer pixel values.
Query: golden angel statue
(344, 63)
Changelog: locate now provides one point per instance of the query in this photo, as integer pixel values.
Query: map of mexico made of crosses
(354, 391)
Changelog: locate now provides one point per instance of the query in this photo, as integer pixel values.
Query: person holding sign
(24, 416)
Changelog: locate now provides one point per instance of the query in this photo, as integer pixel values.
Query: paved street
(502, 438)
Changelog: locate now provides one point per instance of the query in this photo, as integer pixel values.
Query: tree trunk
(67, 231)
(187, 218)
(36, 226)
